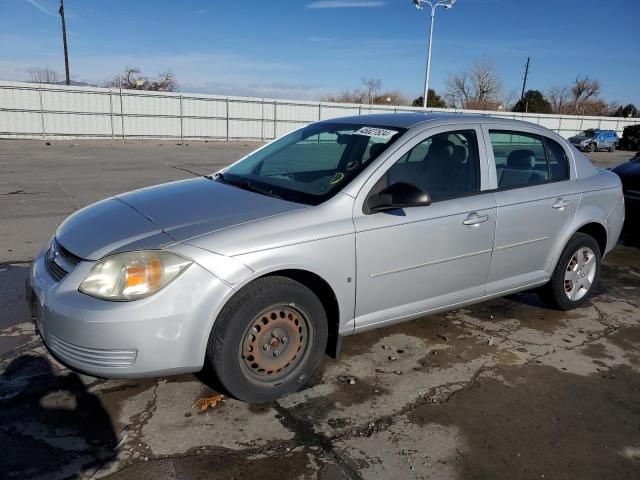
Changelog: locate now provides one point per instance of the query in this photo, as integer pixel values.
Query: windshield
(311, 164)
(588, 133)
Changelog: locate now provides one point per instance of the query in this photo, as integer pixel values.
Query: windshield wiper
(246, 185)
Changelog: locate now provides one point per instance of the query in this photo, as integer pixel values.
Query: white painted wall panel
(19, 98)
(97, 112)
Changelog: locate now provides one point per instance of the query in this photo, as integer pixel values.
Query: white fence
(29, 110)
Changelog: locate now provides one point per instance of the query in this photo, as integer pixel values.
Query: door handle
(473, 219)
(561, 203)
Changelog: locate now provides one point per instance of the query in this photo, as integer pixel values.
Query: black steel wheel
(268, 340)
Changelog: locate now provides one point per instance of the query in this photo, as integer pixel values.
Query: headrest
(460, 153)
(521, 160)
(441, 147)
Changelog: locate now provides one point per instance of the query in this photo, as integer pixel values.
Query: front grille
(59, 261)
(55, 270)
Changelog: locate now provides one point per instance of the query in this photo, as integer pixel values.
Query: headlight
(132, 275)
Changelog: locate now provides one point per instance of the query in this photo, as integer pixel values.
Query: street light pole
(64, 41)
(447, 4)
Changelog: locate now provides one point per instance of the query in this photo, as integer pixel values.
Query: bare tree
(479, 88)
(558, 97)
(584, 89)
(43, 75)
(371, 94)
(390, 98)
(133, 79)
(346, 96)
(372, 87)
(165, 82)
(510, 100)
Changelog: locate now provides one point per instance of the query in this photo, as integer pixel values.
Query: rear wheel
(268, 340)
(612, 148)
(575, 275)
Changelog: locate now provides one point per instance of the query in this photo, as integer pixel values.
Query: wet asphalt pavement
(505, 389)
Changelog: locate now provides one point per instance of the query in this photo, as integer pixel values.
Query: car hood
(629, 173)
(159, 216)
(578, 138)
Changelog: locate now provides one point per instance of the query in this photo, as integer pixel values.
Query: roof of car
(411, 119)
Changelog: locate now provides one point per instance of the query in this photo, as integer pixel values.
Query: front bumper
(165, 333)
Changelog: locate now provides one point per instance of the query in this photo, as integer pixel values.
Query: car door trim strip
(428, 264)
(519, 244)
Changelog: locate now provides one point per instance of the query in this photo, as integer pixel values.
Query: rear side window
(520, 158)
(558, 161)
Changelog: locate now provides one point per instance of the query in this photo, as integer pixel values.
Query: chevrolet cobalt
(341, 226)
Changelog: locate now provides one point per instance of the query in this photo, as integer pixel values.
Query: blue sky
(306, 48)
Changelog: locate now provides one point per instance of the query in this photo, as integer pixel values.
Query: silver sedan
(257, 271)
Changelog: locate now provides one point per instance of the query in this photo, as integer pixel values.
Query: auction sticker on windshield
(375, 132)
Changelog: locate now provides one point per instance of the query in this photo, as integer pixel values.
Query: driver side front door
(414, 260)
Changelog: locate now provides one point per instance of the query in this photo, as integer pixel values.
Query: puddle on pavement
(542, 422)
(619, 282)
(628, 339)
(597, 351)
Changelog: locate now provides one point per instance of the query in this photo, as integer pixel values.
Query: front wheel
(575, 275)
(268, 340)
(591, 147)
(612, 148)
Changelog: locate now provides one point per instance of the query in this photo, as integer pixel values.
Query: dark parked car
(629, 173)
(596, 139)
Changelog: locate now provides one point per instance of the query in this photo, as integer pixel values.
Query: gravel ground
(500, 390)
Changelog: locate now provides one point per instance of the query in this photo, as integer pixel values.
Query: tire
(612, 148)
(271, 314)
(591, 147)
(564, 293)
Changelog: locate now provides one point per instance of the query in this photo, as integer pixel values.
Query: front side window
(444, 165)
(311, 164)
(520, 159)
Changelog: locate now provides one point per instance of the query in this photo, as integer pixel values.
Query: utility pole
(524, 80)
(64, 41)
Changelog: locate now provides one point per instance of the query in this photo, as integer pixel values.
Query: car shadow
(50, 424)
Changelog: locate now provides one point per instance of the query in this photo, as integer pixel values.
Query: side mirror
(398, 195)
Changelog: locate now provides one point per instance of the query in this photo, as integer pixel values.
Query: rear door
(536, 201)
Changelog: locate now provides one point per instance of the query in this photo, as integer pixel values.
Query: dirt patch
(526, 308)
(461, 346)
(541, 423)
(228, 466)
